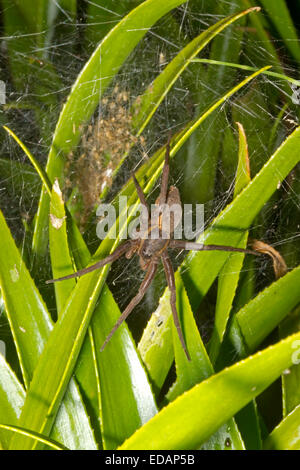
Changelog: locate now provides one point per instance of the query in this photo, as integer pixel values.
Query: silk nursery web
(40, 61)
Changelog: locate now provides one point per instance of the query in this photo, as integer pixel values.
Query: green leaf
(269, 73)
(263, 36)
(27, 314)
(188, 421)
(248, 422)
(127, 401)
(43, 176)
(203, 149)
(230, 272)
(227, 437)
(102, 18)
(260, 316)
(156, 345)
(12, 396)
(35, 436)
(247, 418)
(31, 326)
(86, 368)
(199, 368)
(61, 261)
(290, 379)
(280, 16)
(189, 373)
(286, 435)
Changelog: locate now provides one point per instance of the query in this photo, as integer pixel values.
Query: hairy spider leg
(140, 192)
(109, 259)
(165, 176)
(142, 198)
(135, 301)
(171, 283)
(193, 246)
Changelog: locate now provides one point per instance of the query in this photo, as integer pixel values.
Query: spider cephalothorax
(152, 250)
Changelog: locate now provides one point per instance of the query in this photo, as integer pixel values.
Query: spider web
(32, 110)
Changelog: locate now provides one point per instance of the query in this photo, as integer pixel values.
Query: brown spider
(151, 251)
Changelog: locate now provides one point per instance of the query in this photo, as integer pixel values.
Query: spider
(152, 251)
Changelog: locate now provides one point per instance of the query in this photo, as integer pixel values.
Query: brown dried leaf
(279, 265)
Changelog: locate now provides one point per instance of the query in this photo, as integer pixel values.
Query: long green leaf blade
(286, 435)
(279, 13)
(260, 316)
(230, 273)
(31, 326)
(35, 436)
(190, 373)
(127, 401)
(12, 396)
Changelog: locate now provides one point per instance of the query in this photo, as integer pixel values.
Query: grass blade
(127, 401)
(290, 380)
(286, 435)
(230, 273)
(260, 316)
(270, 73)
(43, 176)
(280, 16)
(190, 373)
(61, 261)
(12, 396)
(31, 326)
(35, 436)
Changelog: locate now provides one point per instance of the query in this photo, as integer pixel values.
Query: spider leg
(171, 283)
(165, 176)
(193, 246)
(109, 259)
(140, 192)
(135, 301)
(145, 216)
